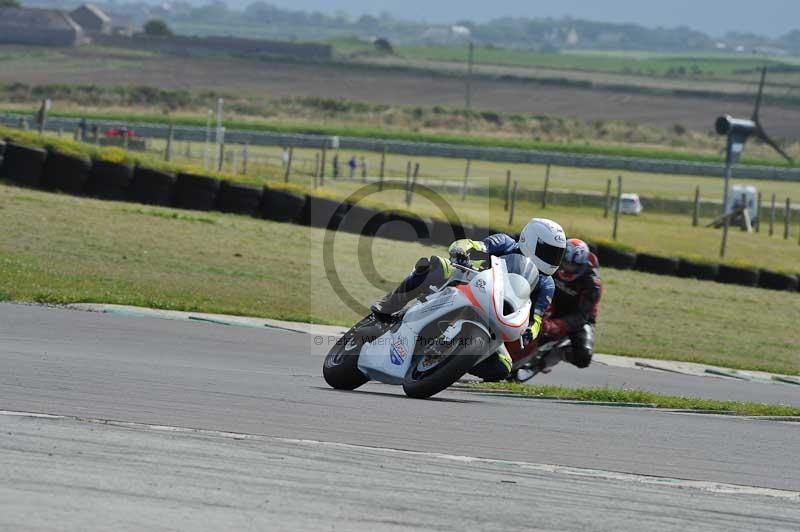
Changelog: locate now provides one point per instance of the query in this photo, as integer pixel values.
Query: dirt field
(273, 79)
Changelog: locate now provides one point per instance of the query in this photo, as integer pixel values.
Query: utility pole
(468, 96)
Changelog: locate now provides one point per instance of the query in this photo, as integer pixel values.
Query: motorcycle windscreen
(522, 266)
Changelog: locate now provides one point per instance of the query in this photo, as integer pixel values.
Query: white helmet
(543, 241)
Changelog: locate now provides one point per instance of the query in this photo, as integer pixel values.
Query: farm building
(92, 19)
(38, 26)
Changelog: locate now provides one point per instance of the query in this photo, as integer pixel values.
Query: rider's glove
(533, 330)
(554, 328)
(465, 245)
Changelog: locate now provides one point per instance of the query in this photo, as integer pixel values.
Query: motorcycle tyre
(343, 374)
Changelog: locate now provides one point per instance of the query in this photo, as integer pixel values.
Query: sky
(715, 17)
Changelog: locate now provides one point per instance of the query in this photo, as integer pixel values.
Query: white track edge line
(702, 485)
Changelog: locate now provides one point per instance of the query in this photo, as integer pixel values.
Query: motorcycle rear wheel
(472, 344)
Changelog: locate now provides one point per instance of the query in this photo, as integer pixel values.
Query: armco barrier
(429, 149)
(199, 192)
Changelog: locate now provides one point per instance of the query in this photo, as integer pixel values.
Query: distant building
(92, 19)
(38, 26)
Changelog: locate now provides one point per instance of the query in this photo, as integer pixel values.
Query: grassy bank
(56, 248)
(641, 397)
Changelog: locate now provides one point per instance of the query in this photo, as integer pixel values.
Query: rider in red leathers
(573, 311)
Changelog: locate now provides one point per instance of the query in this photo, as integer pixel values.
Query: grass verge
(60, 249)
(609, 395)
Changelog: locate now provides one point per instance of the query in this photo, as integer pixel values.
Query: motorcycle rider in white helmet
(542, 240)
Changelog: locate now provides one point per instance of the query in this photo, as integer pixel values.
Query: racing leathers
(573, 314)
(436, 271)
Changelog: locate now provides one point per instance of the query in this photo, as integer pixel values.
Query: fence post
(787, 219)
(410, 184)
(170, 138)
(513, 204)
(96, 133)
(316, 169)
(617, 207)
(364, 169)
(289, 165)
(234, 161)
(125, 137)
(547, 186)
(758, 213)
(383, 170)
(221, 153)
(696, 212)
(322, 165)
(607, 205)
(466, 181)
(772, 217)
(207, 145)
(245, 157)
(508, 189)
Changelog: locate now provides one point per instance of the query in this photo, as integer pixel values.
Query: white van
(630, 204)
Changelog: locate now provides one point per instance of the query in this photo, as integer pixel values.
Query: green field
(60, 249)
(700, 65)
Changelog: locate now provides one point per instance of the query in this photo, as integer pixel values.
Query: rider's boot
(412, 287)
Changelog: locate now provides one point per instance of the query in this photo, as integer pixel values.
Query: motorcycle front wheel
(431, 373)
(340, 368)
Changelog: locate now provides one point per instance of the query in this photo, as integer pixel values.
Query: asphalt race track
(276, 449)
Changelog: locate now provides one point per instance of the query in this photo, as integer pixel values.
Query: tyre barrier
(655, 264)
(152, 187)
(698, 270)
(479, 232)
(281, 206)
(777, 281)
(615, 258)
(443, 233)
(736, 275)
(239, 199)
(405, 227)
(23, 165)
(360, 220)
(323, 212)
(109, 180)
(64, 172)
(196, 192)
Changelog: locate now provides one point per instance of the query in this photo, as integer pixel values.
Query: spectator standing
(352, 163)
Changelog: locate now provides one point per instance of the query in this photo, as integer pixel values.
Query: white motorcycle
(442, 335)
